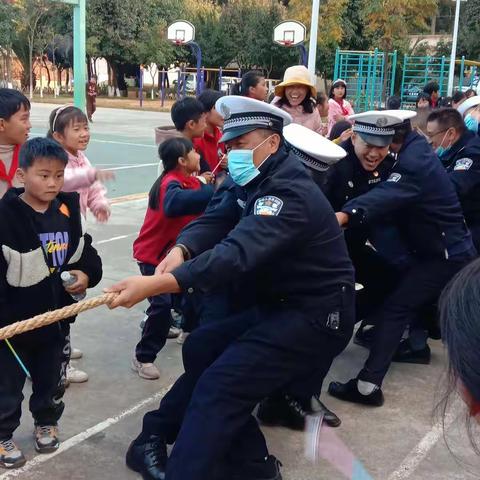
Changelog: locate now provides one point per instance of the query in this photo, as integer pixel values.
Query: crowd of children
(43, 236)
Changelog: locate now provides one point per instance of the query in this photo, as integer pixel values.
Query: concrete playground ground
(401, 440)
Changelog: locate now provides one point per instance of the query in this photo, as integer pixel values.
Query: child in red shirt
(175, 199)
(14, 128)
(208, 145)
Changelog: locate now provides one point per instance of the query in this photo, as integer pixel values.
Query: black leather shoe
(364, 337)
(149, 459)
(269, 469)
(405, 354)
(349, 392)
(328, 416)
(283, 411)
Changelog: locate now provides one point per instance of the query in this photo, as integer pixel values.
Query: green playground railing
(370, 76)
(417, 71)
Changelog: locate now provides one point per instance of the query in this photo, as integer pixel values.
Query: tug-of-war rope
(321, 441)
(56, 315)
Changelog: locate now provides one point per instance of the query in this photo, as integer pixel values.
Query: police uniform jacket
(285, 238)
(347, 180)
(463, 166)
(423, 201)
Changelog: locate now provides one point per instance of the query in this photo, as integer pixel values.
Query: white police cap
(242, 115)
(314, 151)
(468, 104)
(377, 127)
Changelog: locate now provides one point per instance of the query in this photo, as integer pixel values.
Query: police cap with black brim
(377, 128)
(242, 115)
(315, 151)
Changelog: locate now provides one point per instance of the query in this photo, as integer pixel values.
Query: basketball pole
(79, 53)
(453, 53)
(312, 47)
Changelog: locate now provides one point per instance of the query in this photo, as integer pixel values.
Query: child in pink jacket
(338, 107)
(69, 127)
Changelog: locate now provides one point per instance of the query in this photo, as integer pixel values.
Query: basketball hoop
(289, 33)
(181, 32)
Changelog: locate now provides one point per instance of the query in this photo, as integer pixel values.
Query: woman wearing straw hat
(296, 96)
(338, 107)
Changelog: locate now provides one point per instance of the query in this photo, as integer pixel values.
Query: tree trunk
(9, 65)
(30, 67)
(48, 72)
(434, 23)
(89, 67)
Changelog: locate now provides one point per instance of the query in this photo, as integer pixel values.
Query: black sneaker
(282, 411)
(364, 336)
(10, 455)
(328, 416)
(405, 354)
(46, 438)
(349, 392)
(269, 469)
(149, 459)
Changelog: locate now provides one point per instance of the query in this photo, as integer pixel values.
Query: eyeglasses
(431, 135)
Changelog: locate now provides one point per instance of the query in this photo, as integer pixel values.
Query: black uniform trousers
(230, 366)
(157, 324)
(419, 287)
(46, 363)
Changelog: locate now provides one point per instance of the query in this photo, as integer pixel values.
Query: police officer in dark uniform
(289, 243)
(290, 408)
(470, 112)
(422, 200)
(459, 151)
(377, 262)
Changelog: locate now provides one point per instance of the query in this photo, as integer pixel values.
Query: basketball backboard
(289, 33)
(181, 32)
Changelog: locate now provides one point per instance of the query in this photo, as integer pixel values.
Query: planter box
(164, 133)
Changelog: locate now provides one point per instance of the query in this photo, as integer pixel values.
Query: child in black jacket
(41, 236)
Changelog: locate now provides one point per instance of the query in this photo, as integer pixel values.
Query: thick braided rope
(54, 316)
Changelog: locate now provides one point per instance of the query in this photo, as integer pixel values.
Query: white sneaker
(76, 354)
(182, 337)
(174, 332)
(145, 370)
(76, 376)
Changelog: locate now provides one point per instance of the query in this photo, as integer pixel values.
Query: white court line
(124, 143)
(85, 435)
(416, 456)
(113, 239)
(103, 141)
(126, 167)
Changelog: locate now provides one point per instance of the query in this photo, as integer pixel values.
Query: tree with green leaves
(127, 33)
(469, 30)
(9, 15)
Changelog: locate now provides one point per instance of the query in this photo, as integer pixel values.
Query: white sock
(366, 388)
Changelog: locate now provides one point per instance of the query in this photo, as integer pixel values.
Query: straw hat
(296, 75)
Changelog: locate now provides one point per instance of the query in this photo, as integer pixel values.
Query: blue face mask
(471, 123)
(441, 150)
(241, 166)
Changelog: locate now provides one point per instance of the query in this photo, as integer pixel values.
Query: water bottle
(69, 279)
